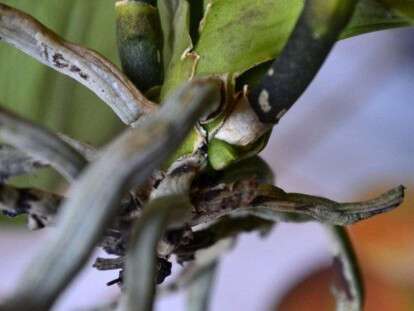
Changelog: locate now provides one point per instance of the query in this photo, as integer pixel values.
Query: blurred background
(350, 137)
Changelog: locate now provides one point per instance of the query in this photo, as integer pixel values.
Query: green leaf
(222, 154)
(238, 35)
(248, 168)
(174, 15)
(371, 15)
(178, 61)
(403, 7)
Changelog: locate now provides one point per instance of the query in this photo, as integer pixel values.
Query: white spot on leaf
(264, 101)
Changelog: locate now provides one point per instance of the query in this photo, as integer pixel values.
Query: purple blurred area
(350, 133)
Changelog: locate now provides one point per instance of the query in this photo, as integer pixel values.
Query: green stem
(139, 40)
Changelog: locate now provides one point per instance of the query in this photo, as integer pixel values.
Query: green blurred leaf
(178, 62)
(403, 7)
(175, 21)
(371, 15)
(49, 98)
(238, 35)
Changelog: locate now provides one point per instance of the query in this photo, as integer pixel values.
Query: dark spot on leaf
(59, 61)
(37, 164)
(45, 51)
(83, 75)
(76, 69)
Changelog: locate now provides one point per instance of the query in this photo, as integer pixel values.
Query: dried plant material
(85, 66)
(41, 144)
(14, 162)
(347, 288)
(218, 200)
(203, 259)
(200, 291)
(94, 199)
(179, 176)
(272, 199)
(40, 206)
(109, 263)
(224, 228)
(89, 152)
(140, 272)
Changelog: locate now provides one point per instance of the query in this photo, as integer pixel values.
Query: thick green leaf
(174, 17)
(244, 36)
(178, 61)
(45, 96)
(238, 35)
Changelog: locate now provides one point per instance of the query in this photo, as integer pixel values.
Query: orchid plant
(203, 84)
